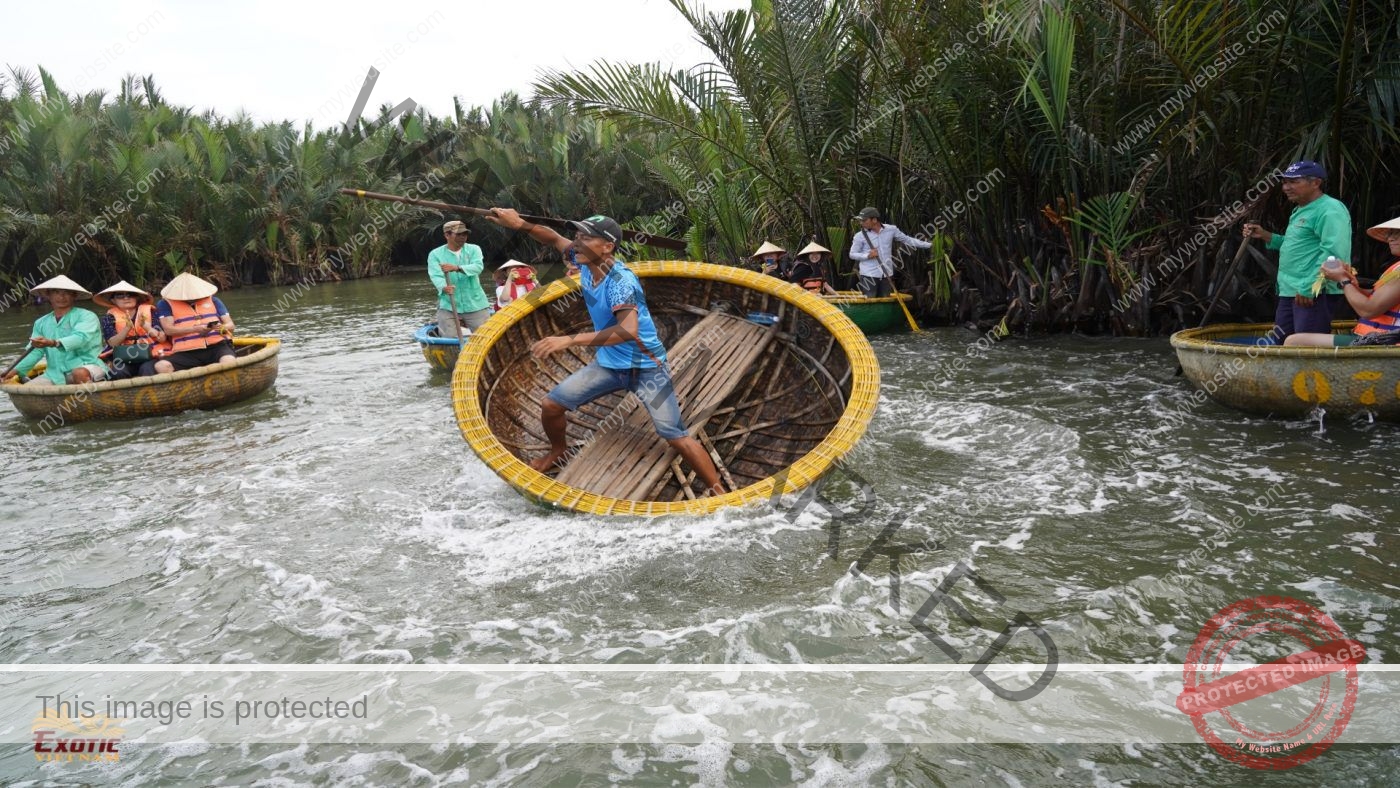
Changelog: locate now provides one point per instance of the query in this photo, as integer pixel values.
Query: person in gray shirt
(873, 249)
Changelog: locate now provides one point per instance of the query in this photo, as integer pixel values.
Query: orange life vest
(138, 335)
(815, 278)
(1388, 320)
(198, 312)
(138, 331)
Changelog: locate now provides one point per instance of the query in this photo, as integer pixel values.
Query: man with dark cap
(1318, 228)
(455, 268)
(873, 249)
(629, 353)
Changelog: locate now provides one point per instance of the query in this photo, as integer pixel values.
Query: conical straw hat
(512, 263)
(1380, 231)
(187, 287)
(105, 297)
(61, 282)
(813, 247)
(768, 248)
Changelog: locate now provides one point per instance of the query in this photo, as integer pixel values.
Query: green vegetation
(1083, 164)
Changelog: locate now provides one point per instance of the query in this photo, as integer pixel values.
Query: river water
(341, 518)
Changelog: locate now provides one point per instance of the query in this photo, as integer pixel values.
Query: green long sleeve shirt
(468, 293)
(79, 335)
(1315, 231)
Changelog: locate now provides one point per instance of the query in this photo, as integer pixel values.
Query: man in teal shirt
(68, 338)
(1320, 227)
(455, 269)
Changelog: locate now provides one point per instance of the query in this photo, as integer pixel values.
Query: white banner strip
(660, 704)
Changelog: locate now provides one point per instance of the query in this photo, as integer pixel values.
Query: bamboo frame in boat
(776, 404)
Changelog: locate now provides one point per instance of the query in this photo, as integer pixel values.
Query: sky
(307, 61)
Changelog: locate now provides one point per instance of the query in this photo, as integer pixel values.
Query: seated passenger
(197, 324)
(500, 277)
(519, 282)
(129, 331)
(68, 339)
(770, 258)
(1377, 310)
(810, 269)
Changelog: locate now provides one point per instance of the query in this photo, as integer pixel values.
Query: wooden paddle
(29, 348)
(632, 236)
(456, 318)
(907, 315)
(1229, 273)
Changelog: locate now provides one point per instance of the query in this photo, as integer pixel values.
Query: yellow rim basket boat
(1224, 362)
(156, 395)
(776, 383)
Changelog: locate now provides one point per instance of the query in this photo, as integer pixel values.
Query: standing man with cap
(197, 324)
(873, 248)
(629, 356)
(455, 268)
(68, 338)
(1320, 227)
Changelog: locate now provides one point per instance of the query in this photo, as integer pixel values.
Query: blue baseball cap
(1305, 169)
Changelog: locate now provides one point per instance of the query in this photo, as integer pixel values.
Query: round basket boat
(872, 315)
(777, 384)
(1225, 362)
(211, 386)
(440, 353)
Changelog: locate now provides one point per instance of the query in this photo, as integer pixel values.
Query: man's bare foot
(547, 462)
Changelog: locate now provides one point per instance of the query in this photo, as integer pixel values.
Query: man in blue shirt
(873, 248)
(630, 354)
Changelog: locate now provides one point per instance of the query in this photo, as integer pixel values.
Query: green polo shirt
(79, 335)
(468, 294)
(1315, 231)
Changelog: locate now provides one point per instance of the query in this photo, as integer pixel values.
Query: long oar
(1229, 273)
(456, 318)
(559, 224)
(907, 315)
(29, 348)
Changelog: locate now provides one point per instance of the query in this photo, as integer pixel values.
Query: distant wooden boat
(774, 381)
(440, 353)
(1224, 362)
(252, 373)
(872, 315)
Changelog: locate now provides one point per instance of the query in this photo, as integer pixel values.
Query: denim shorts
(651, 385)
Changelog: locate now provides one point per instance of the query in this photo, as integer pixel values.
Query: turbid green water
(340, 518)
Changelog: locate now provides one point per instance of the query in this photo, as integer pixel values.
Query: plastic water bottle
(1331, 263)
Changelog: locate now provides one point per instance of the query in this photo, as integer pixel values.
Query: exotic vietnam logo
(89, 738)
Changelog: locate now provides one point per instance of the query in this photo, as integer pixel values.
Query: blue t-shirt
(621, 288)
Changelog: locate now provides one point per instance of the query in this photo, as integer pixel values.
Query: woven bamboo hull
(1289, 381)
(158, 395)
(440, 353)
(803, 397)
(872, 315)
